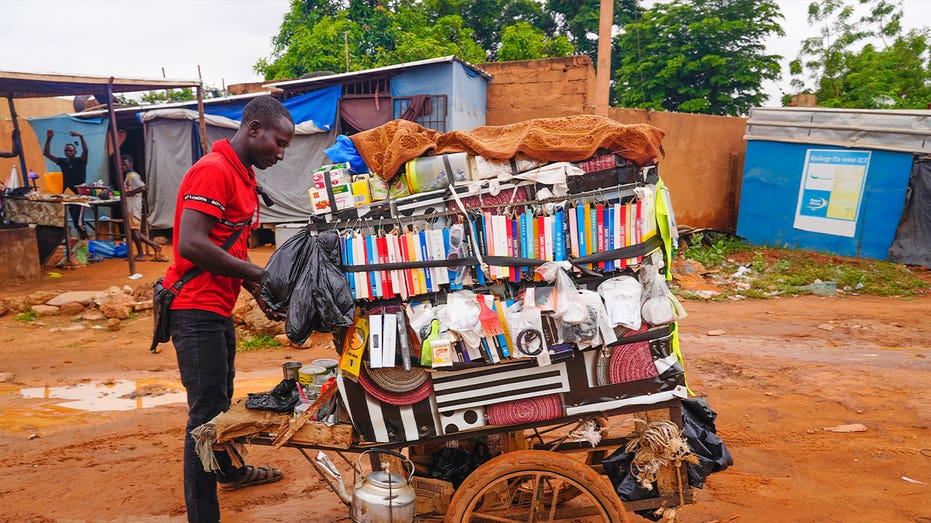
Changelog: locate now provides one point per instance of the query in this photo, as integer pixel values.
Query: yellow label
(354, 347)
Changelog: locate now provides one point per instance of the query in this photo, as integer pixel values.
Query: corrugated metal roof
(36, 85)
(889, 130)
(337, 78)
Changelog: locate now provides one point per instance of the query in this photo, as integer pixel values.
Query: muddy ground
(782, 371)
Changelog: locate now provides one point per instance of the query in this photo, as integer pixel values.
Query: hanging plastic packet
(659, 306)
(606, 335)
(566, 308)
(622, 301)
(530, 341)
(419, 317)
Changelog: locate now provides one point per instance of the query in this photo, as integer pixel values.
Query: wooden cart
(541, 475)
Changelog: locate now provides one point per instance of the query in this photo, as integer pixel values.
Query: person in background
(73, 172)
(15, 152)
(135, 188)
(217, 199)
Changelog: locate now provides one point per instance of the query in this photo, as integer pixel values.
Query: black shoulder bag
(163, 296)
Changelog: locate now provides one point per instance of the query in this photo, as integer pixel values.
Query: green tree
(860, 58)
(707, 56)
(523, 41)
(372, 33)
(579, 20)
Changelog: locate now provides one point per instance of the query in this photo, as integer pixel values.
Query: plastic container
(54, 182)
(283, 231)
(428, 173)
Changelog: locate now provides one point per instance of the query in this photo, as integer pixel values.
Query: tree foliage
(705, 56)
(860, 57)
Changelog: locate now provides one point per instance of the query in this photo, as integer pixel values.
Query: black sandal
(250, 476)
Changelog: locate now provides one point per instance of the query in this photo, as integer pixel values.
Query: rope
(659, 444)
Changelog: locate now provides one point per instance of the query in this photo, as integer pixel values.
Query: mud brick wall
(19, 254)
(527, 89)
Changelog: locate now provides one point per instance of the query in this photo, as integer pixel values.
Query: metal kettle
(382, 496)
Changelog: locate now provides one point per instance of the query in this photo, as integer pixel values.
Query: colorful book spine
(638, 233)
(600, 229)
(513, 250)
(550, 236)
(559, 235)
(580, 214)
(573, 233)
(381, 244)
(476, 228)
(371, 254)
(631, 229)
(609, 235)
(616, 219)
(424, 256)
(591, 226)
(363, 282)
(346, 256)
(541, 236)
(624, 237)
(523, 240)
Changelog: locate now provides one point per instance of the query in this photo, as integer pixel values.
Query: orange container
(54, 183)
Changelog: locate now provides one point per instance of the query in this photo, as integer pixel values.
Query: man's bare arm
(194, 244)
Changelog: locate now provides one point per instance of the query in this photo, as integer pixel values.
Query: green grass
(29, 315)
(712, 250)
(775, 272)
(258, 342)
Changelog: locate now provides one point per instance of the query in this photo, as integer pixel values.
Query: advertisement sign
(831, 191)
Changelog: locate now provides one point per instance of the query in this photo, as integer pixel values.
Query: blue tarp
(95, 134)
(773, 198)
(317, 106)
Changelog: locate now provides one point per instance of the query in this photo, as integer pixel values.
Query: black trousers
(205, 343)
(77, 216)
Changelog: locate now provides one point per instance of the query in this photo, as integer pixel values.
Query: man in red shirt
(217, 198)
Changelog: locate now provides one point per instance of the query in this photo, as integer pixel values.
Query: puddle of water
(111, 396)
(88, 403)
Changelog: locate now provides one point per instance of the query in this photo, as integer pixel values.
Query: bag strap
(196, 271)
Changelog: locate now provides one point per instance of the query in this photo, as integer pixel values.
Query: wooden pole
(603, 74)
(18, 143)
(201, 122)
(114, 136)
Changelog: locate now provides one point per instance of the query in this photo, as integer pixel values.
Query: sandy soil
(781, 372)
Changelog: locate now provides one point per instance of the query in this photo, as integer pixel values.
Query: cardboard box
(433, 495)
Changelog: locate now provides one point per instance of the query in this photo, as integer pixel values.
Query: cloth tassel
(204, 438)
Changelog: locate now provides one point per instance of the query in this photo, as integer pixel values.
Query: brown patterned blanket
(386, 148)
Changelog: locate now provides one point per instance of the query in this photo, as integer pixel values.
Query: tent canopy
(33, 85)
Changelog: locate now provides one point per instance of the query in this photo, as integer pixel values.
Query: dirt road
(781, 372)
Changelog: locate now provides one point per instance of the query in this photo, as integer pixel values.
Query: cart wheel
(526, 486)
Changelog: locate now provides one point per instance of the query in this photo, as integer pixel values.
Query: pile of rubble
(121, 303)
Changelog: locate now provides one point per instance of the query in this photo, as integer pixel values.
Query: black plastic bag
(454, 465)
(699, 431)
(283, 269)
(321, 299)
(283, 398)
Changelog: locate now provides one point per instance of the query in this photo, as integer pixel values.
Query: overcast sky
(138, 38)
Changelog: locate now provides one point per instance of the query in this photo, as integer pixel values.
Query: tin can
(291, 369)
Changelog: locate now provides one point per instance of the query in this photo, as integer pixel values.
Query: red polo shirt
(221, 186)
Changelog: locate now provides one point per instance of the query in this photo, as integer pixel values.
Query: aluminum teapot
(382, 496)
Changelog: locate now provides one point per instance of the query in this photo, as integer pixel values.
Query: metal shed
(833, 180)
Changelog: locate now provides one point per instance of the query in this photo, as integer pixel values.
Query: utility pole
(346, 48)
(603, 74)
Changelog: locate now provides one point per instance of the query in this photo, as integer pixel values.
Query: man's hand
(49, 134)
(76, 134)
(269, 312)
